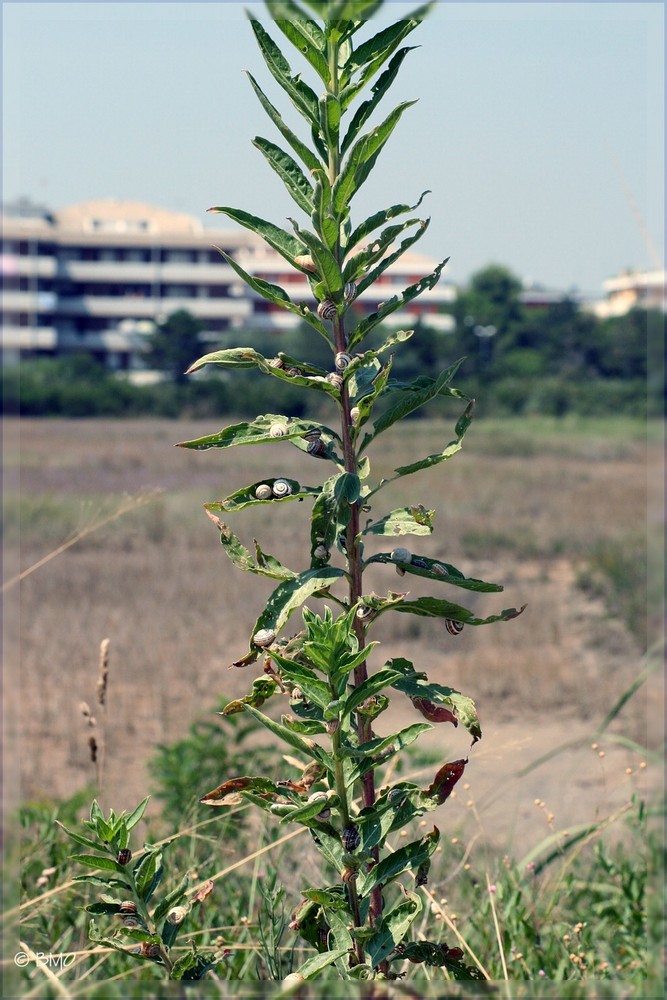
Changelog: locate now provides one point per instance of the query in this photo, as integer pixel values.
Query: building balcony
(146, 272)
(28, 302)
(129, 307)
(39, 267)
(24, 338)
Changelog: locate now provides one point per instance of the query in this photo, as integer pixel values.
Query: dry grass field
(557, 512)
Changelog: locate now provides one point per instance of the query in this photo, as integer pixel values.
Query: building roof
(110, 215)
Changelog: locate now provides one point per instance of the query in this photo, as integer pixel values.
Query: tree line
(551, 360)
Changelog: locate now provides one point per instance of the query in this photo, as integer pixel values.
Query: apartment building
(97, 276)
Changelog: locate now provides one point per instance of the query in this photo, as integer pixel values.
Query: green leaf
(369, 225)
(357, 267)
(328, 843)
(289, 172)
(246, 497)
(78, 838)
(269, 428)
(282, 242)
(243, 559)
(371, 276)
(377, 682)
(314, 965)
(426, 463)
(435, 569)
(304, 33)
(107, 882)
(98, 861)
(406, 858)
(301, 95)
(372, 54)
(309, 810)
(322, 218)
(394, 303)
(330, 113)
(381, 750)
(263, 688)
(325, 261)
(331, 510)
(313, 688)
(379, 89)
(432, 607)
(172, 898)
(307, 157)
(148, 874)
(417, 685)
(136, 814)
(408, 399)
(291, 594)
(393, 928)
(414, 520)
(361, 159)
(307, 747)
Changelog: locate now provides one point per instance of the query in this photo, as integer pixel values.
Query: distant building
(96, 277)
(631, 290)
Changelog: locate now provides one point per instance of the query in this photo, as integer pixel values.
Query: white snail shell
(342, 360)
(264, 637)
(281, 488)
(400, 555)
(177, 915)
(454, 628)
(364, 613)
(321, 552)
(349, 291)
(327, 309)
(263, 491)
(278, 430)
(354, 413)
(334, 379)
(306, 262)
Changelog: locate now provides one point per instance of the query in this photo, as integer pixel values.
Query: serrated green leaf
(306, 155)
(414, 395)
(369, 225)
(301, 95)
(282, 242)
(289, 172)
(258, 431)
(393, 928)
(304, 33)
(394, 303)
(361, 159)
(379, 89)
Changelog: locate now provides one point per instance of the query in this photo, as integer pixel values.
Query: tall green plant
(343, 794)
(360, 922)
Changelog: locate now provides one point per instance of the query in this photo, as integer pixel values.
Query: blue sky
(539, 127)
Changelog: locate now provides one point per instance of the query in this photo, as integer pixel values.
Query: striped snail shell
(313, 435)
(316, 447)
(276, 363)
(349, 875)
(264, 637)
(400, 555)
(321, 552)
(127, 906)
(349, 291)
(294, 371)
(439, 569)
(454, 628)
(277, 430)
(351, 837)
(332, 726)
(354, 413)
(419, 562)
(281, 488)
(334, 379)
(177, 915)
(342, 360)
(131, 922)
(364, 613)
(124, 856)
(263, 492)
(150, 949)
(400, 571)
(327, 309)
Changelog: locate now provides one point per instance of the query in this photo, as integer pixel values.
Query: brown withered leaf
(433, 712)
(445, 779)
(220, 796)
(203, 891)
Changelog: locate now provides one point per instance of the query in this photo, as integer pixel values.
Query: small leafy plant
(360, 920)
